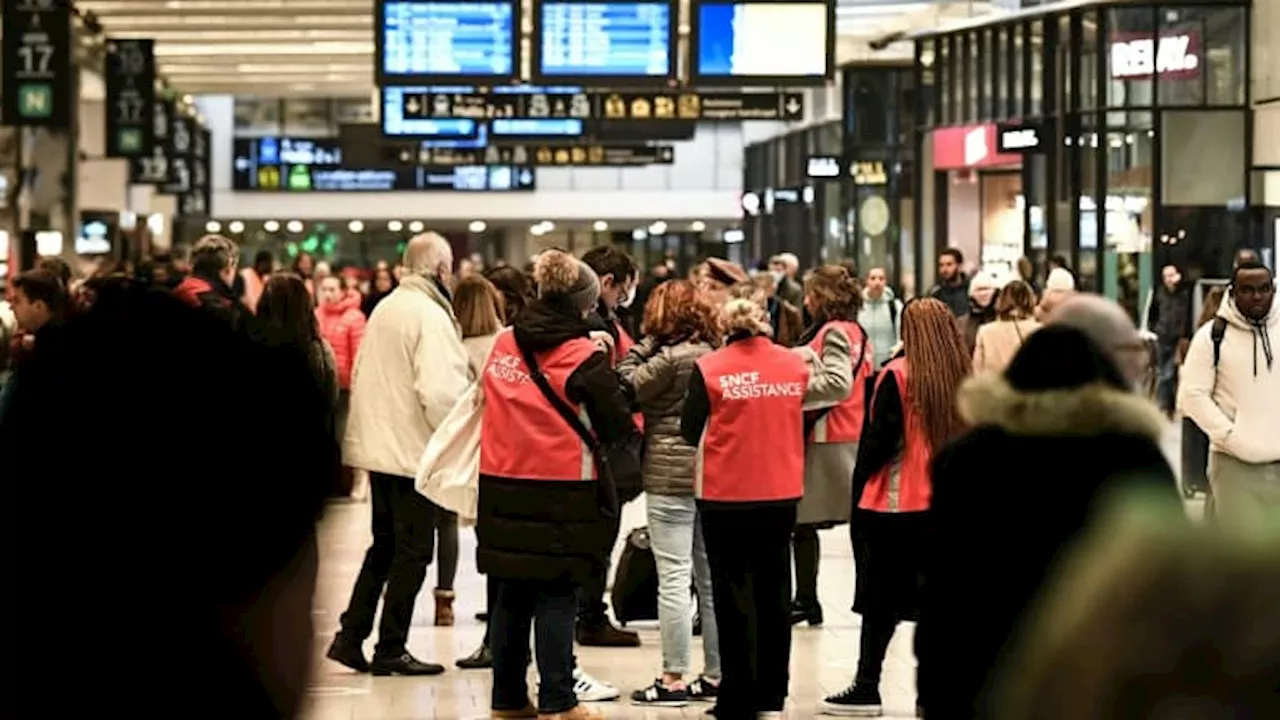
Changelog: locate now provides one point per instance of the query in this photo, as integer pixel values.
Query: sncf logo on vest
(747, 386)
(508, 368)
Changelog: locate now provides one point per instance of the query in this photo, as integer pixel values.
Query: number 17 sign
(35, 63)
(131, 98)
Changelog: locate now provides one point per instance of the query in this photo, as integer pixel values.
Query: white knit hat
(1060, 279)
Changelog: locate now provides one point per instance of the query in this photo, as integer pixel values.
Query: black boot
(348, 653)
(810, 612)
(481, 659)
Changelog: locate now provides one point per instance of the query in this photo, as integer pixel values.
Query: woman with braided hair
(913, 414)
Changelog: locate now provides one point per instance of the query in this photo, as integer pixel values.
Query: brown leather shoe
(528, 712)
(604, 634)
(581, 712)
(444, 608)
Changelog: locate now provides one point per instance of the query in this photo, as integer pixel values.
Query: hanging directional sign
(645, 105)
(153, 169)
(182, 132)
(36, 63)
(195, 202)
(535, 155)
(131, 98)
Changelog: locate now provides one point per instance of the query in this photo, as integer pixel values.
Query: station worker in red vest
(618, 274)
(744, 411)
(841, 357)
(543, 524)
(913, 414)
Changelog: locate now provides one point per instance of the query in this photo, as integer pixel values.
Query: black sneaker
(659, 695)
(854, 701)
(703, 690)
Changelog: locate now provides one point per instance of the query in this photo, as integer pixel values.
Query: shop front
(1114, 135)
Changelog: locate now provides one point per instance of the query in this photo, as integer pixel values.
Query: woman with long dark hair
(913, 414)
(383, 282)
(286, 320)
(515, 287)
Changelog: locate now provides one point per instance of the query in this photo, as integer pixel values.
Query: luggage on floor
(635, 585)
(1195, 459)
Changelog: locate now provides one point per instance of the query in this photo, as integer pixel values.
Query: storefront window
(1201, 56)
(868, 108)
(988, 75)
(1086, 146)
(1129, 55)
(975, 72)
(1088, 79)
(1128, 207)
(946, 84)
(1036, 40)
(1018, 70)
(1065, 60)
(927, 111)
(1000, 76)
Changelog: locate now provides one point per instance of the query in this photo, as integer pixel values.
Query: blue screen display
(606, 39)
(440, 39)
(741, 39)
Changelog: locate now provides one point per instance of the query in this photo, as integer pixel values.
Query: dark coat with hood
(1052, 439)
(537, 530)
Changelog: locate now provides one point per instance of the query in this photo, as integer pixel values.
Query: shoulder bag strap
(566, 412)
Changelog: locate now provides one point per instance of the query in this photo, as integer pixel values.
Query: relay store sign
(1174, 56)
(975, 146)
(1015, 138)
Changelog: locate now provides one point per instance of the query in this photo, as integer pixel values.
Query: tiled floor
(822, 660)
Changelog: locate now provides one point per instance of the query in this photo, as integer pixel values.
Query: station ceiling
(285, 48)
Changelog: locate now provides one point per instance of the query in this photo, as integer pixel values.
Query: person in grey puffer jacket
(680, 327)
(880, 315)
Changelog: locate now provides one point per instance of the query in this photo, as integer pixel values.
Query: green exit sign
(35, 100)
(129, 141)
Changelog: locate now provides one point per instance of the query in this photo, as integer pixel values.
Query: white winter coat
(410, 370)
(1241, 413)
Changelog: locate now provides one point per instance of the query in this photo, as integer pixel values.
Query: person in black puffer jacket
(545, 515)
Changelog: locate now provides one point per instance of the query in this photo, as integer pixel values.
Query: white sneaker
(589, 689)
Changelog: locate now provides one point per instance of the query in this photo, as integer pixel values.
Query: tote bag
(449, 472)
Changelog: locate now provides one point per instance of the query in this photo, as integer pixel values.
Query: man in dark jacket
(953, 284)
(617, 273)
(1170, 320)
(1069, 433)
(213, 271)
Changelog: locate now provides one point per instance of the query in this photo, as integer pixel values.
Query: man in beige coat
(410, 370)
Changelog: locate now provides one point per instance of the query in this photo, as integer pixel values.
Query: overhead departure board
(274, 164)
(738, 42)
(442, 41)
(605, 41)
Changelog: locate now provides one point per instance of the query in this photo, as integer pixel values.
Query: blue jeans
(681, 558)
(518, 603)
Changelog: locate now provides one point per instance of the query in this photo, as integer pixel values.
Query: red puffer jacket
(342, 325)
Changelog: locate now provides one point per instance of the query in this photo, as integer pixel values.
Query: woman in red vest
(745, 413)
(913, 414)
(544, 518)
(842, 359)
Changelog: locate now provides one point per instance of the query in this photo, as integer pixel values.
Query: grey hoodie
(882, 319)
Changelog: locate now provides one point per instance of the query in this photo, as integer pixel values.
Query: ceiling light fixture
(236, 226)
(600, 226)
(477, 226)
(355, 226)
(293, 226)
(658, 228)
(395, 226)
(416, 226)
(213, 226)
(271, 226)
(697, 226)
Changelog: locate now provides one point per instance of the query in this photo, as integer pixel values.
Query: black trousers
(808, 553)
(592, 609)
(403, 537)
(749, 549)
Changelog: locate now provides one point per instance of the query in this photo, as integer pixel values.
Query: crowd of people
(751, 410)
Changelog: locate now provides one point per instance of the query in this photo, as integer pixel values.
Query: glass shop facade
(1114, 135)
(841, 190)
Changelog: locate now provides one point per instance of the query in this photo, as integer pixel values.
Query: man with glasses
(1231, 389)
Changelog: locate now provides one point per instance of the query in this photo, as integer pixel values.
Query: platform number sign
(181, 145)
(36, 63)
(195, 203)
(131, 98)
(153, 169)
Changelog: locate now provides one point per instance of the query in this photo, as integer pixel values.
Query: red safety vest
(843, 423)
(521, 434)
(753, 446)
(624, 344)
(904, 484)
